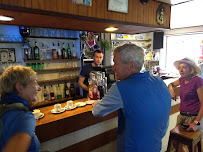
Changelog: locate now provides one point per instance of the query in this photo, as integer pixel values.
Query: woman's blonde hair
(13, 75)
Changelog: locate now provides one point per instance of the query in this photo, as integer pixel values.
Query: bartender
(84, 74)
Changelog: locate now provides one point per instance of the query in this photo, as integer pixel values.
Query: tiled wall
(80, 135)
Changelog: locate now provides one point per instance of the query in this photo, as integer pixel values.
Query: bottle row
(58, 91)
(49, 51)
(97, 85)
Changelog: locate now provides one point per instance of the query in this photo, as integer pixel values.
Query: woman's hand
(192, 127)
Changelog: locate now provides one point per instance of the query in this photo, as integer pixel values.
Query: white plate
(68, 108)
(80, 104)
(90, 101)
(40, 116)
(54, 111)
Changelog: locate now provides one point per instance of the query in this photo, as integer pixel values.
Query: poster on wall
(82, 2)
(7, 55)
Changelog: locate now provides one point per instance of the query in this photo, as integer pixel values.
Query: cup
(36, 113)
(70, 103)
(57, 107)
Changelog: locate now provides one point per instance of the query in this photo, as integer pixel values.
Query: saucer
(54, 111)
(68, 108)
(41, 116)
(90, 101)
(80, 104)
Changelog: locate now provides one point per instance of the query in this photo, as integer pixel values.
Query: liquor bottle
(36, 51)
(69, 52)
(92, 87)
(59, 94)
(100, 87)
(28, 52)
(42, 53)
(74, 52)
(64, 52)
(52, 96)
(66, 91)
(45, 94)
(59, 51)
(54, 52)
(72, 90)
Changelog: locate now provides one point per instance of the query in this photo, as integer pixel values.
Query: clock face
(161, 15)
(118, 6)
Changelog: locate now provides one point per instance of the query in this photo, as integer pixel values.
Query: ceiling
(72, 22)
(173, 2)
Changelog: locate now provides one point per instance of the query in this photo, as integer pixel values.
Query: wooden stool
(187, 138)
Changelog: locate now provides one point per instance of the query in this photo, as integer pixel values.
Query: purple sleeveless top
(188, 95)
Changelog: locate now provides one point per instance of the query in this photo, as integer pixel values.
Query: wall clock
(118, 6)
(161, 14)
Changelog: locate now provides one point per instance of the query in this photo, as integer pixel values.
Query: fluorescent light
(111, 29)
(6, 18)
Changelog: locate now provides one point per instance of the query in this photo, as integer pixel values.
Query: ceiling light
(6, 18)
(111, 29)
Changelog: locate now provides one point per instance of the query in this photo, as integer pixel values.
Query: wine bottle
(72, 90)
(66, 91)
(64, 52)
(36, 51)
(59, 51)
(69, 52)
(52, 96)
(59, 94)
(45, 94)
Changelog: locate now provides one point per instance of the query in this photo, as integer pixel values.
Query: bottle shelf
(141, 40)
(59, 69)
(51, 102)
(66, 38)
(57, 60)
(56, 80)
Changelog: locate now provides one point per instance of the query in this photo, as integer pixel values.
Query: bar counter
(53, 126)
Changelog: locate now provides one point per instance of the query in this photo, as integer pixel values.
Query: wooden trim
(175, 109)
(92, 143)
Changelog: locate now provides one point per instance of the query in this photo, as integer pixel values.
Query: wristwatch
(197, 123)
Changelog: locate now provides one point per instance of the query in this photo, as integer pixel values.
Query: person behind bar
(18, 85)
(142, 101)
(191, 95)
(84, 74)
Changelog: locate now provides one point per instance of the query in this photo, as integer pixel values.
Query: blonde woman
(18, 84)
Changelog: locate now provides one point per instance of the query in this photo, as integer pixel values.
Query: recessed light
(111, 29)
(6, 18)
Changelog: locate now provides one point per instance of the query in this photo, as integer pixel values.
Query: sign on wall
(82, 2)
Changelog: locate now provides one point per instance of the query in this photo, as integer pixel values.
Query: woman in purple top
(191, 95)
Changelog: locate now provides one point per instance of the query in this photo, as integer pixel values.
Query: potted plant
(106, 45)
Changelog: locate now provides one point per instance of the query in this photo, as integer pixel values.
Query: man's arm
(110, 103)
(81, 83)
(20, 142)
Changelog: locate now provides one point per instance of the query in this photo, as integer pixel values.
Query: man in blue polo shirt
(84, 74)
(143, 103)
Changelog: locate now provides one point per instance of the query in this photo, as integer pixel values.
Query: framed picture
(7, 55)
(118, 6)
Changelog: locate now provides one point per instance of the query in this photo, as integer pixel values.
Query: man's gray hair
(131, 52)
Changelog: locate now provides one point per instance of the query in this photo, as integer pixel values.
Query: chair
(187, 138)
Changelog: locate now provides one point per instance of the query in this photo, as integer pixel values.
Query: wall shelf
(66, 38)
(56, 80)
(59, 69)
(141, 40)
(58, 60)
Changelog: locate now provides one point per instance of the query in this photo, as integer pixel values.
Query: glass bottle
(72, 90)
(64, 52)
(45, 94)
(66, 91)
(69, 52)
(74, 52)
(59, 51)
(54, 52)
(29, 54)
(59, 94)
(36, 51)
(52, 96)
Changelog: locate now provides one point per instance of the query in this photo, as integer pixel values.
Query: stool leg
(169, 145)
(199, 146)
(191, 148)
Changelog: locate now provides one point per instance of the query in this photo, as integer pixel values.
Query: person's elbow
(97, 114)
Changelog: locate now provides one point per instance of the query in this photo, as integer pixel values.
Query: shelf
(144, 40)
(47, 103)
(57, 80)
(52, 60)
(59, 69)
(66, 38)
(9, 42)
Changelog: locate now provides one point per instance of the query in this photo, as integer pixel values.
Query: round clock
(161, 15)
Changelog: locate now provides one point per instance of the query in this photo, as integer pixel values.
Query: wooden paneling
(137, 12)
(92, 143)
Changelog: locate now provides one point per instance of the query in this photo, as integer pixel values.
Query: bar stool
(187, 138)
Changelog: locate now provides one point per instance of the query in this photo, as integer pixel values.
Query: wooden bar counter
(54, 125)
